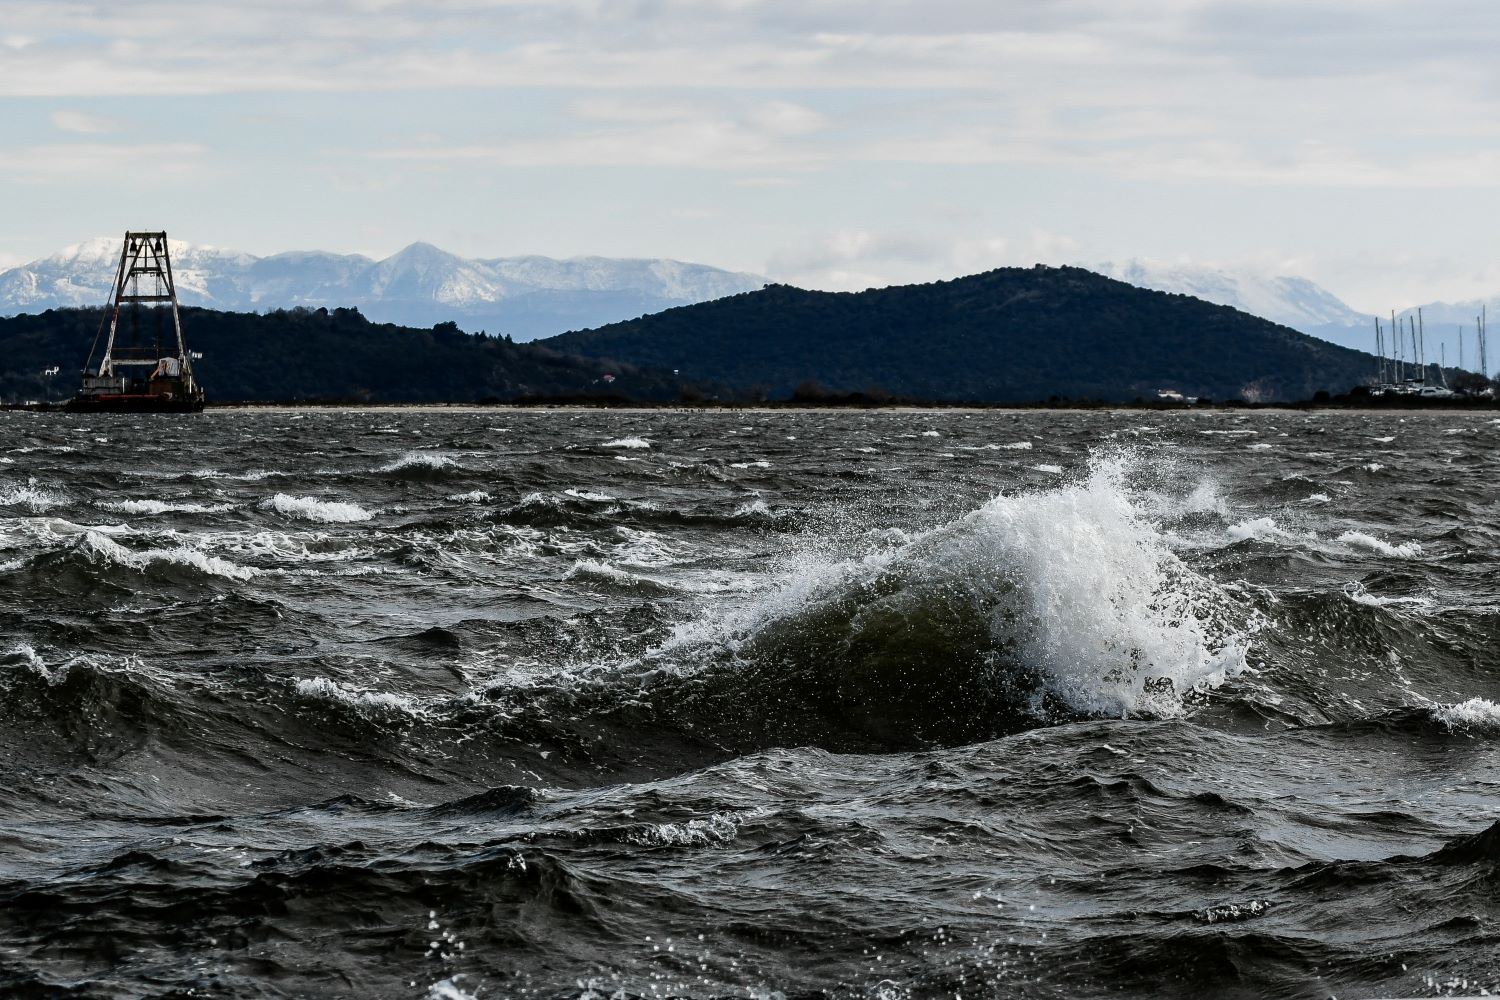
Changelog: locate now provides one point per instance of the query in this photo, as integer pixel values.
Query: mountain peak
(419, 285)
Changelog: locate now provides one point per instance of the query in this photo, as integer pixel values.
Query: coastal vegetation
(1045, 336)
(1008, 335)
(319, 354)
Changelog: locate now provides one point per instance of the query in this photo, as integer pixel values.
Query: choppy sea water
(801, 704)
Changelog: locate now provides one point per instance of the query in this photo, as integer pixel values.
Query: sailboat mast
(1397, 366)
(1422, 345)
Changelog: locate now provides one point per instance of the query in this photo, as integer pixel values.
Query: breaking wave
(1403, 550)
(313, 509)
(99, 548)
(162, 507)
(30, 496)
(361, 700)
(418, 464)
(1041, 606)
(1474, 715)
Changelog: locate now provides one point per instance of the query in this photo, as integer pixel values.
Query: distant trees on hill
(320, 353)
(1008, 335)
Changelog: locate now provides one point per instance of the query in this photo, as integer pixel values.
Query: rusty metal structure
(134, 375)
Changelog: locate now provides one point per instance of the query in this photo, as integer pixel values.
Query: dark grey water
(505, 704)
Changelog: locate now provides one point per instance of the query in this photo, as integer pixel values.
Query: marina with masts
(1403, 368)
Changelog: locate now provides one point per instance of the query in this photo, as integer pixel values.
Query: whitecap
(1357, 593)
(31, 496)
(575, 493)
(1403, 550)
(1072, 585)
(627, 442)
(1474, 714)
(101, 548)
(314, 509)
(363, 699)
(1262, 529)
(161, 507)
(417, 460)
(597, 571)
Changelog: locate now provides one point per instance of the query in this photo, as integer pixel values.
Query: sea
(501, 703)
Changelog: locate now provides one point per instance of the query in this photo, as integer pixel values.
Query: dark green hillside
(1008, 335)
(319, 354)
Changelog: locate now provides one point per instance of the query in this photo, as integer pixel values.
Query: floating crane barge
(151, 373)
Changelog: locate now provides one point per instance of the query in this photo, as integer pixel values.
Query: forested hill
(1008, 335)
(317, 354)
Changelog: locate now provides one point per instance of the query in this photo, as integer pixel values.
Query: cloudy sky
(830, 143)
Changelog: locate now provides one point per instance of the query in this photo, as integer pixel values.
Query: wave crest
(314, 509)
(1054, 603)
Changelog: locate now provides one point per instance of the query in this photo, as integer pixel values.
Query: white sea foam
(1056, 470)
(753, 465)
(754, 508)
(99, 547)
(715, 830)
(1373, 467)
(288, 546)
(1476, 714)
(418, 460)
(474, 496)
(1263, 529)
(1357, 593)
(1012, 446)
(243, 477)
(627, 442)
(931, 434)
(592, 497)
(449, 989)
(162, 507)
(31, 496)
(597, 571)
(25, 655)
(1074, 583)
(363, 699)
(1317, 498)
(1403, 550)
(314, 509)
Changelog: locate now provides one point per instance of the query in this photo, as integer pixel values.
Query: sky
(828, 143)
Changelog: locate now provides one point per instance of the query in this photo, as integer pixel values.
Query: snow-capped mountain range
(530, 297)
(1294, 302)
(526, 297)
(1312, 309)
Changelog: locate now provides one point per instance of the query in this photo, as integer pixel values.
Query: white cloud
(618, 133)
(80, 121)
(1197, 89)
(854, 259)
(73, 161)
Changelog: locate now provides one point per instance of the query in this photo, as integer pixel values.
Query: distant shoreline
(615, 405)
